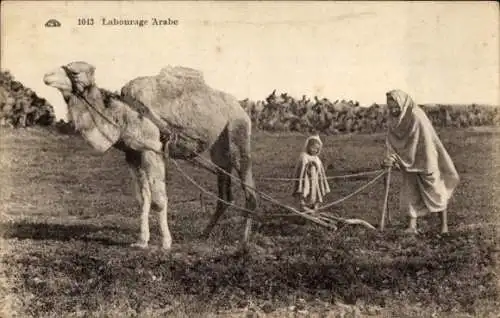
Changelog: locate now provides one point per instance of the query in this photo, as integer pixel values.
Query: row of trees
(281, 112)
(20, 106)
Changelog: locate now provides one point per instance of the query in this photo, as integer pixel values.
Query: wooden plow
(318, 216)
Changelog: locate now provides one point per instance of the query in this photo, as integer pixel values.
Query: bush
(20, 106)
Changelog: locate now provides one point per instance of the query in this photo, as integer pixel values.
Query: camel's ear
(90, 77)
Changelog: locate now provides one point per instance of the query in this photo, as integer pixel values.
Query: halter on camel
(78, 94)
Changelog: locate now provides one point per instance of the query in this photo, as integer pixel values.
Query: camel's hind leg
(224, 187)
(241, 138)
(221, 156)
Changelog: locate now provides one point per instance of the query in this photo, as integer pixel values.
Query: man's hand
(389, 161)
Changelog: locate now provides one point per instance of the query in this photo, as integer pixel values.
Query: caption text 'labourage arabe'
(127, 22)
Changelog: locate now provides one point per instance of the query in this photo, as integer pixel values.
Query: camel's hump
(170, 83)
(173, 73)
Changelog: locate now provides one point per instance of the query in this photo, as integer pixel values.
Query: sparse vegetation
(69, 215)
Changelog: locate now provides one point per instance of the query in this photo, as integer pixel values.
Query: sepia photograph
(249, 159)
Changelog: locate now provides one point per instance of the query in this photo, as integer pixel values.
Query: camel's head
(74, 77)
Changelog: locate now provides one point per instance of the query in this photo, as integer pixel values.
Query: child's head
(313, 146)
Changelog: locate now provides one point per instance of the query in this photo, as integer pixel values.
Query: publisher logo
(52, 23)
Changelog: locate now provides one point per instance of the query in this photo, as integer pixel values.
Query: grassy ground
(68, 215)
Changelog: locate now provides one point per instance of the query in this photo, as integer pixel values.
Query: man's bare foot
(412, 227)
(167, 245)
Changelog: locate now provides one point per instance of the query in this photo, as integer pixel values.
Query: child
(311, 184)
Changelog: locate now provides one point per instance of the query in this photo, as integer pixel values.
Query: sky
(437, 52)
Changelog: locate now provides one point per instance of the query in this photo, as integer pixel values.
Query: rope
(312, 219)
(353, 175)
(80, 96)
(353, 193)
(208, 192)
(121, 130)
(270, 199)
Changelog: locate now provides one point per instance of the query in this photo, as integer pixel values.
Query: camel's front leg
(160, 204)
(143, 195)
(154, 166)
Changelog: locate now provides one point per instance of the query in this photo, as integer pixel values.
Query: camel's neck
(93, 121)
(92, 95)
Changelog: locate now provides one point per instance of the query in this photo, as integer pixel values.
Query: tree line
(281, 112)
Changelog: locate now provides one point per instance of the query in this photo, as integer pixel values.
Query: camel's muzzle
(57, 79)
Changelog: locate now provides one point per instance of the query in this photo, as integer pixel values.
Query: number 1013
(85, 21)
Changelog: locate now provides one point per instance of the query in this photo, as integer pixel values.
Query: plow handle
(386, 199)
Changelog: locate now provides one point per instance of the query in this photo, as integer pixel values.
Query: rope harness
(322, 219)
(81, 96)
(268, 198)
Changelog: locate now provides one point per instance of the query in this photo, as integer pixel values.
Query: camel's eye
(69, 72)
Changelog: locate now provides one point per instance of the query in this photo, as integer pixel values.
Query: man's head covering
(406, 104)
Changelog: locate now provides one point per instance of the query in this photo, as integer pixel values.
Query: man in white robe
(429, 175)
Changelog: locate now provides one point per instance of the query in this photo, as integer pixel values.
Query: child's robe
(311, 184)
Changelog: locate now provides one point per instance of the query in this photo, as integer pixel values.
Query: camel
(150, 130)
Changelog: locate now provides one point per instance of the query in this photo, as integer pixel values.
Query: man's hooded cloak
(429, 175)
